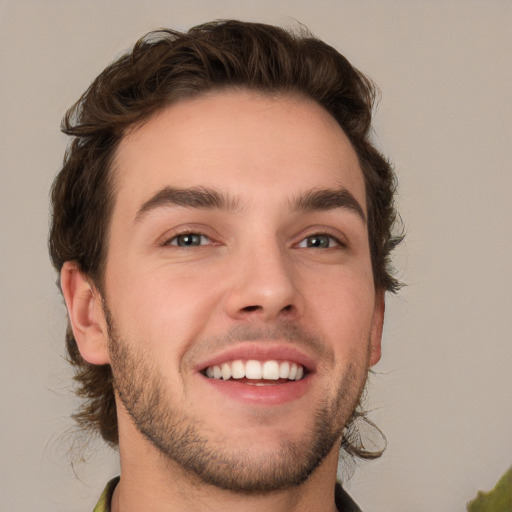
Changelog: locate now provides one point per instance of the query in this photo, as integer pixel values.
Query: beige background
(442, 392)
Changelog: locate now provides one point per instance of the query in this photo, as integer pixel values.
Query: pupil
(318, 241)
(188, 240)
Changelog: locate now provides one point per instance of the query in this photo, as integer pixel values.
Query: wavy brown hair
(163, 68)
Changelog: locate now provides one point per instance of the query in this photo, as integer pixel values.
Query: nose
(264, 285)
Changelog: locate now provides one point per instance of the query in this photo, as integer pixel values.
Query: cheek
(162, 307)
(343, 309)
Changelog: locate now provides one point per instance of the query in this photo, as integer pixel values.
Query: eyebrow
(328, 199)
(194, 197)
(209, 199)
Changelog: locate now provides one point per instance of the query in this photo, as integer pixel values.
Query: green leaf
(497, 500)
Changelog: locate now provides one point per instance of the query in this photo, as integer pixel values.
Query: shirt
(344, 502)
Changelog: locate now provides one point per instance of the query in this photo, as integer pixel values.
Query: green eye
(319, 242)
(189, 240)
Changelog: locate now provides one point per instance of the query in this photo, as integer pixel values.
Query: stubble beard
(183, 439)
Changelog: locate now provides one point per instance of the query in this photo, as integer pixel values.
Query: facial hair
(187, 440)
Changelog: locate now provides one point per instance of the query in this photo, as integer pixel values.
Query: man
(222, 228)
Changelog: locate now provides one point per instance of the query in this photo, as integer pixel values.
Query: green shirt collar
(344, 502)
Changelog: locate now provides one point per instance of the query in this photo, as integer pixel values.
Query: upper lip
(262, 351)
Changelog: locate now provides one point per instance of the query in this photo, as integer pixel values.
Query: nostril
(251, 308)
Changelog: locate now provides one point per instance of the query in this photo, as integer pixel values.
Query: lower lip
(271, 394)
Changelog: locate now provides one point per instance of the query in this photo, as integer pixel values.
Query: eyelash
(337, 241)
(173, 241)
(174, 238)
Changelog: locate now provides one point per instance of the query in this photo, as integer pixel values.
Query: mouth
(259, 374)
(256, 372)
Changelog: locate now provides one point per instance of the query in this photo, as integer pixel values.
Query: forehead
(239, 141)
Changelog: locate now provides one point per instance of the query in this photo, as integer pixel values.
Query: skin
(254, 282)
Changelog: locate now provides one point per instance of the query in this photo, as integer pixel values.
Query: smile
(253, 369)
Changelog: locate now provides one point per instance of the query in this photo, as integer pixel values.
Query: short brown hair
(164, 67)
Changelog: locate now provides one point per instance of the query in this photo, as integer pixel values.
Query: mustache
(288, 332)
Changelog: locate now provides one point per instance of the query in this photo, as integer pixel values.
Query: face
(238, 289)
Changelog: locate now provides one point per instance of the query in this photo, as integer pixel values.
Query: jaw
(243, 445)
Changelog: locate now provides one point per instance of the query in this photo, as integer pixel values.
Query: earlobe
(377, 326)
(83, 302)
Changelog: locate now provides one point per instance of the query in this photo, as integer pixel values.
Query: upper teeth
(253, 369)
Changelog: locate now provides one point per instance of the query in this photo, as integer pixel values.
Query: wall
(442, 391)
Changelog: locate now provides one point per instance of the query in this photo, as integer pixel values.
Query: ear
(377, 325)
(84, 304)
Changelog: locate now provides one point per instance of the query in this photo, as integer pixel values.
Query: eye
(189, 240)
(319, 241)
